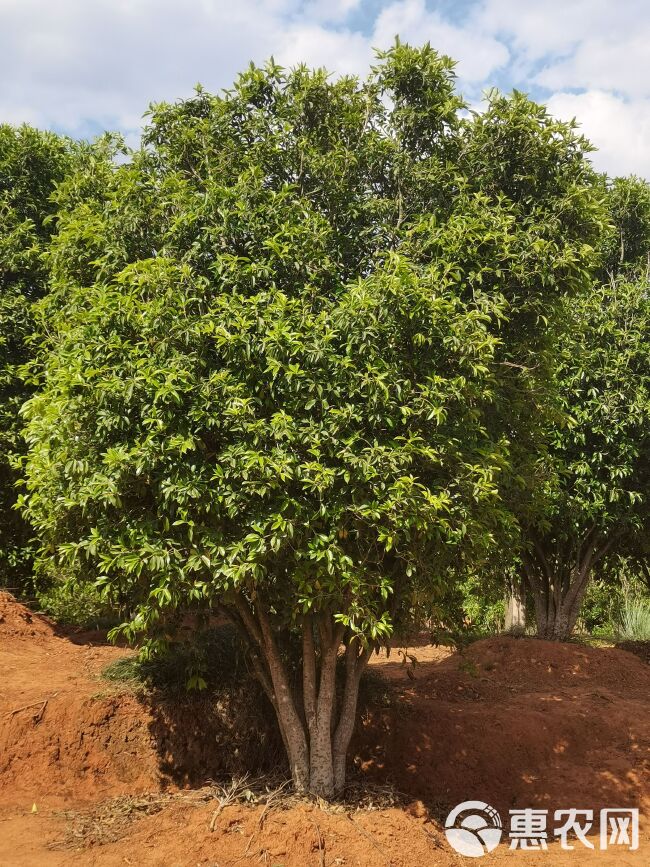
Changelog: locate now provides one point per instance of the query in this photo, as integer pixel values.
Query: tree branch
(247, 618)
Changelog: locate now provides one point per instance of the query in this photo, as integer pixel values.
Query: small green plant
(78, 605)
(605, 600)
(634, 619)
(483, 605)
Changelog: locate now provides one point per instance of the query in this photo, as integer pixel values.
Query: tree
(525, 164)
(593, 481)
(277, 347)
(31, 164)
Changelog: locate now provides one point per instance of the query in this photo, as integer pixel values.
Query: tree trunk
(515, 620)
(356, 659)
(288, 719)
(558, 584)
(320, 731)
(555, 622)
(316, 740)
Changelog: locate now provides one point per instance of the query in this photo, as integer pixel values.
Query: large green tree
(288, 345)
(31, 164)
(593, 479)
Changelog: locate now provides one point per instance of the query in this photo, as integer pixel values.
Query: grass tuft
(634, 619)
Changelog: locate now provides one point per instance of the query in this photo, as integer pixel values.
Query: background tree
(278, 342)
(523, 167)
(31, 164)
(593, 481)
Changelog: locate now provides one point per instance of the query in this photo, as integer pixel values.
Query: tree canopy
(296, 354)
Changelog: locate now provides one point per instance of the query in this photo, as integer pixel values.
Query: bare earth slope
(516, 723)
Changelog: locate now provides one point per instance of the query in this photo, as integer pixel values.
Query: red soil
(516, 723)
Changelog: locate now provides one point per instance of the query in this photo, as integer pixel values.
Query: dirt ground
(92, 775)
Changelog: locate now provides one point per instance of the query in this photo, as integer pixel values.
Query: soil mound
(18, 622)
(67, 736)
(516, 723)
(638, 648)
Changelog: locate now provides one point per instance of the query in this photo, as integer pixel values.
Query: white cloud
(581, 44)
(343, 52)
(605, 64)
(556, 27)
(620, 130)
(591, 58)
(76, 64)
(478, 54)
(332, 11)
(72, 62)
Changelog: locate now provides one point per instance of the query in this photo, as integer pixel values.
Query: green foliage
(607, 596)
(31, 164)
(589, 507)
(537, 214)
(600, 606)
(290, 340)
(627, 245)
(598, 469)
(483, 605)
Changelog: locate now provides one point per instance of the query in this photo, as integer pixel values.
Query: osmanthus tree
(524, 168)
(594, 479)
(273, 371)
(31, 164)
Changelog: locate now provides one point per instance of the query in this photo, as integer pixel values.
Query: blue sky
(81, 66)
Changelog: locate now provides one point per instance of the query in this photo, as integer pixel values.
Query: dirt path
(515, 723)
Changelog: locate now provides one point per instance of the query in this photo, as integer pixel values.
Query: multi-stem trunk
(558, 581)
(555, 618)
(315, 727)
